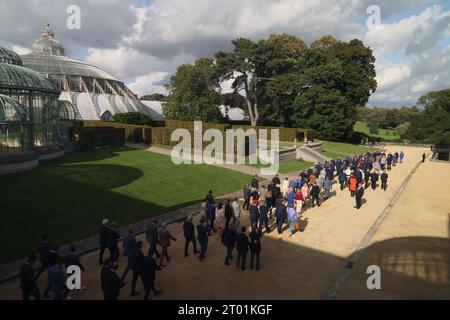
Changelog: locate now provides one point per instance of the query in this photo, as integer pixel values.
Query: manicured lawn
(290, 166)
(382, 133)
(68, 198)
(339, 149)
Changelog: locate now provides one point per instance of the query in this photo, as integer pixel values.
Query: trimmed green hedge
(189, 125)
(286, 134)
(132, 133)
(98, 137)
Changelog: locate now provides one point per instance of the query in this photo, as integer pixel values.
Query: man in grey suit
(152, 238)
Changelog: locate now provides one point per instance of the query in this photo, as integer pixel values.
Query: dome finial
(47, 32)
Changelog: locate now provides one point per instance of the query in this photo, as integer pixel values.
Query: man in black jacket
(242, 248)
(246, 193)
(228, 240)
(374, 180)
(358, 195)
(152, 237)
(315, 192)
(384, 178)
(136, 263)
(44, 250)
(228, 213)
(113, 242)
(202, 237)
(149, 275)
(255, 247)
(28, 283)
(103, 239)
(189, 235)
(110, 281)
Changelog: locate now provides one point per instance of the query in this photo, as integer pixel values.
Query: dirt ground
(411, 247)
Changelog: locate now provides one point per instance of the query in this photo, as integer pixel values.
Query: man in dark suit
(281, 214)
(113, 242)
(246, 193)
(384, 178)
(152, 238)
(110, 281)
(374, 180)
(242, 248)
(189, 236)
(254, 215)
(44, 250)
(255, 182)
(263, 216)
(359, 195)
(228, 240)
(136, 263)
(202, 237)
(28, 283)
(72, 258)
(129, 244)
(103, 239)
(149, 275)
(255, 247)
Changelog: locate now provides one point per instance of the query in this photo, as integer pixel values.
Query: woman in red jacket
(353, 184)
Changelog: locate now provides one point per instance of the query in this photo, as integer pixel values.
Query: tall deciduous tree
(194, 93)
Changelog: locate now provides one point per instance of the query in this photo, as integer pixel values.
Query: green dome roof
(10, 57)
(17, 77)
(11, 110)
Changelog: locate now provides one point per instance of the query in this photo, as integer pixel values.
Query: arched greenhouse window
(107, 116)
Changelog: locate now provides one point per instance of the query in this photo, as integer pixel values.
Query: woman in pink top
(305, 192)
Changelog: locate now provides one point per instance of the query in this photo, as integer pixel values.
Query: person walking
(44, 250)
(136, 264)
(128, 245)
(164, 240)
(149, 275)
(292, 218)
(254, 215)
(384, 179)
(228, 240)
(299, 201)
(359, 195)
(281, 215)
(151, 235)
(113, 242)
(242, 244)
(202, 237)
(315, 193)
(246, 193)
(353, 185)
(255, 248)
(236, 213)
(264, 216)
(189, 236)
(228, 212)
(28, 283)
(103, 239)
(423, 157)
(220, 220)
(374, 179)
(327, 186)
(110, 281)
(56, 281)
(402, 156)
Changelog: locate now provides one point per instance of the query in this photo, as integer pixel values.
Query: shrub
(135, 118)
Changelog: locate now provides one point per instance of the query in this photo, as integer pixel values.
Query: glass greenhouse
(31, 117)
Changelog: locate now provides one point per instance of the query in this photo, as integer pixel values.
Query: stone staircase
(309, 154)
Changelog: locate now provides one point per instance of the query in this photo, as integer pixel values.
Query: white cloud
(149, 84)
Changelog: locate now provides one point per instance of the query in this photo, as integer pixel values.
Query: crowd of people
(283, 201)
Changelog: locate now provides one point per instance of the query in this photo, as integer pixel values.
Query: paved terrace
(411, 245)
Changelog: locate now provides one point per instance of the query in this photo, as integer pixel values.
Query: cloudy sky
(143, 41)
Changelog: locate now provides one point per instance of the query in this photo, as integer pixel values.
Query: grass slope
(68, 198)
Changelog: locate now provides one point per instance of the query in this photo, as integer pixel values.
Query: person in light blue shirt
(292, 218)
